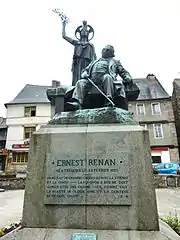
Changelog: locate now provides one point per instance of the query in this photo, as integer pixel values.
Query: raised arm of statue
(64, 20)
(70, 40)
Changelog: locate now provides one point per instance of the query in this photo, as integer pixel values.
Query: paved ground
(11, 204)
(168, 201)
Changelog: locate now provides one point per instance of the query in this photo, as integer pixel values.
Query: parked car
(167, 168)
(154, 165)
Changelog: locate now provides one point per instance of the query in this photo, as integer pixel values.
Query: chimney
(55, 83)
(151, 76)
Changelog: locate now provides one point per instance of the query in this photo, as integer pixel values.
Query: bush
(1, 232)
(174, 223)
(8, 176)
(4, 231)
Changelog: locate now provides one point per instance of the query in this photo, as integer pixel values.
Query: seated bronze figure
(102, 75)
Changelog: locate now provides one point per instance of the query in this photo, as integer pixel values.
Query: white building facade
(25, 114)
(18, 123)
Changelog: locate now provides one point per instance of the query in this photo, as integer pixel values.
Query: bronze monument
(95, 82)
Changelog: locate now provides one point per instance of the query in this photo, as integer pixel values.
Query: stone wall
(166, 111)
(16, 167)
(166, 181)
(176, 107)
(12, 183)
(173, 134)
(167, 119)
(174, 154)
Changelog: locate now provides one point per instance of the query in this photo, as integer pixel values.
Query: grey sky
(145, 34)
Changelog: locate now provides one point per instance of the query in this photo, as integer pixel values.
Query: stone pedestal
(91, 171)
(90, 177)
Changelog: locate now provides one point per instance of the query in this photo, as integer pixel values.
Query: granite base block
(103, 210)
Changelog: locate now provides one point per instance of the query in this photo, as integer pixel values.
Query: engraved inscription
(88, 181)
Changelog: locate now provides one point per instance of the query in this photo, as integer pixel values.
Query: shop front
(160, 154)
(18, 157)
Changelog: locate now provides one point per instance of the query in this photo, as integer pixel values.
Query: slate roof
(150, 88)
(31, 94)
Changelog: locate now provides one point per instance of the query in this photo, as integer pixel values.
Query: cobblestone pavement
(11, 204)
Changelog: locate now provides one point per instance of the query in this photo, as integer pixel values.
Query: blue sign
(84, 236)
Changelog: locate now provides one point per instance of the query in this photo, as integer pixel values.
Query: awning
(20, 150)
(159, 149)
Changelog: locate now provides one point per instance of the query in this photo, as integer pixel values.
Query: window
(20, 157)
(158, 130)
(156, 159)
(140, 109)
(30, 111)
(28, 132)
(156, 109)
(143, 125)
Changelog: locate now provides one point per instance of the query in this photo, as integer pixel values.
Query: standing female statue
(84, 51)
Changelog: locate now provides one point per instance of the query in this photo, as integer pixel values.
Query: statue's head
(84, 23)
(84, 31)
(108, 51)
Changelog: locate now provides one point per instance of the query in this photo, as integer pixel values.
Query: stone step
(165, 233)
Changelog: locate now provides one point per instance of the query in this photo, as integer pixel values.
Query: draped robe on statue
(83, 55)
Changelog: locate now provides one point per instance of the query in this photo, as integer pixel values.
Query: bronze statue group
(94, 80)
